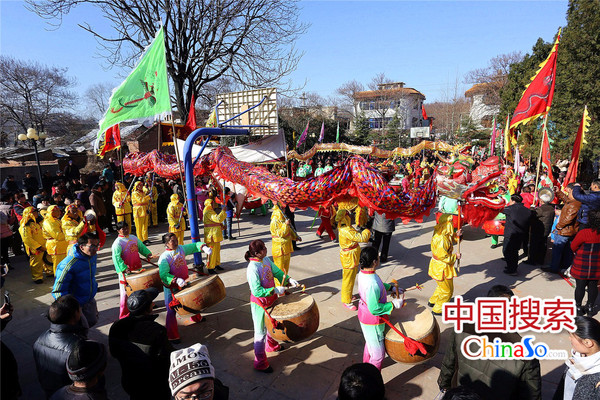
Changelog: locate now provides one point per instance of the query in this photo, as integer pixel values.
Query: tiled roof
(373, 94)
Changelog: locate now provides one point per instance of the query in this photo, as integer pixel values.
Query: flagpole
(537, 174)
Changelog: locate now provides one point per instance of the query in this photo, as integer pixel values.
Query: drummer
(174, 275)
(126, 250)
(263, 293)
(373, 306)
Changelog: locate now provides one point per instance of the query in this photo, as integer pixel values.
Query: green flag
(145, 92)
(337, 136)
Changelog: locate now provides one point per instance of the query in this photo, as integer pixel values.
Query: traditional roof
(374, 94)
(482, 88)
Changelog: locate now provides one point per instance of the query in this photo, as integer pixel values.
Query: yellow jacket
(121, 195)
(154, 196)
(360, 219)
(441, 266)
(72, 228)
(174, 210)
(31, 232)
(282, 234)
(140, 200)
(213, 231)
(56, 242)
(349, 238)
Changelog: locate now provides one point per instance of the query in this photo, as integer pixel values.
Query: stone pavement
(310, 369)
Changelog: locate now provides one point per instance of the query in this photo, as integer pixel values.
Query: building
(389, 100)
(483, 104)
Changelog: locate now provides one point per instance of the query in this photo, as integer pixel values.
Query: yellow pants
(348, 277)
(56, 259)
(215, 256)
(179, 235)
(37, 265)
(154, 210)
(141, 228)
(283, 262)
(126, 218)
(442, 294)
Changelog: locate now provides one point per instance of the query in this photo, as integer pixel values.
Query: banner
(303, 136)
(111, 141)
(579, 139)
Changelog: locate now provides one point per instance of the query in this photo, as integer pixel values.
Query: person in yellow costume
(35, 244)
(141, 201)
(441, 266)
(153, 201)
(213, 234)
(56, 243)
(73, 225)
(282, 235)
(175, 217)
(122, 202)
(349, 238)
(361, 216)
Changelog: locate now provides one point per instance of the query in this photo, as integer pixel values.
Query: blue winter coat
(76, 275)
(589, 202)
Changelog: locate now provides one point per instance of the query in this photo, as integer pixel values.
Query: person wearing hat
(73, 225)
(441, 266)
(126, 250)
(56, 242)
(35, 245)
(86, 365)
(516, 229)
(122, 202)
(176, 217)
(349, 254)
(141, 346)
(213, 234)
(174, 275)
(192, 376)
(141, 201)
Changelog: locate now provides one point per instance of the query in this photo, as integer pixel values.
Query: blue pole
(190, 186)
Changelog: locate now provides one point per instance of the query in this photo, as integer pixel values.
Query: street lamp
(33, 136)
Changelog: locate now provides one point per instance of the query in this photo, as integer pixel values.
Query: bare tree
(347, 91)
(31, 94)
(98, 96)
(378, 80)
(248, 41)
(495, 75)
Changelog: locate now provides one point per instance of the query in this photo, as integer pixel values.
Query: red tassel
(411, 345)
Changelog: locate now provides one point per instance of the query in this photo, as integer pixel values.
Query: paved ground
(306, 370)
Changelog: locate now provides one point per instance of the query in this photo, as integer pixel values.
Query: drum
(416, 322)
(297, 313)
(144, 280)
(494, 227)
(200, 294)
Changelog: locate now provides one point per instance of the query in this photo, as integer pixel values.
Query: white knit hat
(188, 366)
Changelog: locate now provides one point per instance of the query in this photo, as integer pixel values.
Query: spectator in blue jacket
(76, 275)
(589, 202)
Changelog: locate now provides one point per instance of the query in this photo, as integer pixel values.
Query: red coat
(586, 263)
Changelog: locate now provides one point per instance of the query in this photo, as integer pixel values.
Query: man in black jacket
(142, 348)
(518, 218)
(53, 347)
(541, 225)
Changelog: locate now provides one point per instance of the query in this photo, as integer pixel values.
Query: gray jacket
(382, 224)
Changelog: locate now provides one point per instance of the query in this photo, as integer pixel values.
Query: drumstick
(150, 262)
(417, 287)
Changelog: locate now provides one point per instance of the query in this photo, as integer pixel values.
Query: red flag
(546, 162)
(190, 124)
(574, 165)
(537, 97)
(112, 140)
(424, 112)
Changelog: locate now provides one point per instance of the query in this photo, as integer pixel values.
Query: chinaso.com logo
(503, 315)
(481, 348)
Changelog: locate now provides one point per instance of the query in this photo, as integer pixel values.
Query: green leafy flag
(337, 135)
(144, 93)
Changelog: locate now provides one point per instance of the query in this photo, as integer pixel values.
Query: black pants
(5, 243)
(386, 243)
(510, 248)
(537, 248)
(592, 289)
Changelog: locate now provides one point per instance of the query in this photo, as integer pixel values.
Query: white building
(483, 107)
(379, 106)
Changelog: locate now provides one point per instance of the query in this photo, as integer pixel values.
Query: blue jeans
(229, 223)
(562, 255)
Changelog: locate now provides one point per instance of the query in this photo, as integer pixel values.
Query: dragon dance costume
(35, 244)
(56, 243)
(122, 202)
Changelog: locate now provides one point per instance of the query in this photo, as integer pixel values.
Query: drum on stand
(144, 280)
(416, 322)
(298, 316)
(199, 295)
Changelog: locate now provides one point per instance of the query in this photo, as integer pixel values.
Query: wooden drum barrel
(494, 227)
(144, 280)
(200, 294)
(299, 315)
(416, 322)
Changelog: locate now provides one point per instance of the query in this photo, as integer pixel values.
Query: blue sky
(426, 44)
